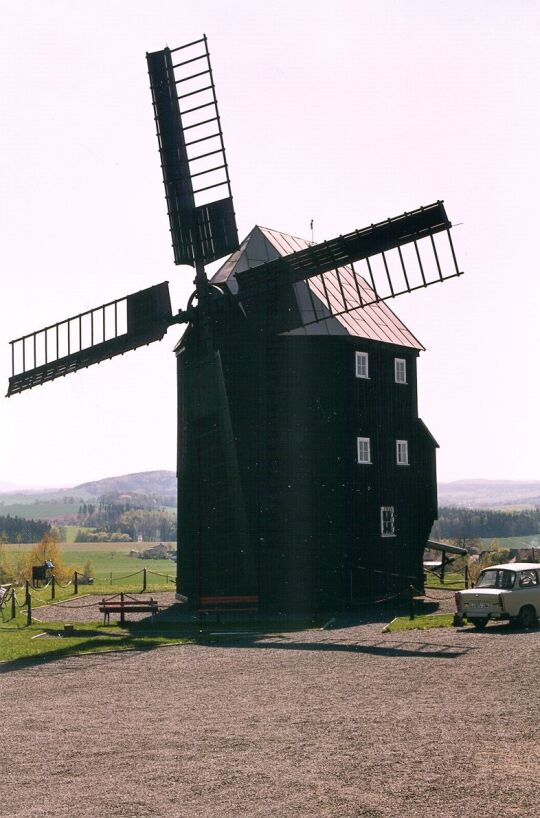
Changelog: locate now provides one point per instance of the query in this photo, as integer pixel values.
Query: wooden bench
(227, 604)
(125, 605)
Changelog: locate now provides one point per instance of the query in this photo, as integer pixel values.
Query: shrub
(47, 549)
(88, 569)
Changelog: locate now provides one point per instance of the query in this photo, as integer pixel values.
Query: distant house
(156, 552)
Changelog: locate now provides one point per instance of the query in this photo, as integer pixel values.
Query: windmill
(244, 536)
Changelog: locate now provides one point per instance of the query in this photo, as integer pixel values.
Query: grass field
(512, 542)
(43, 510)
(403, 623)
(111, 564)
(46, 639)
(451, 580)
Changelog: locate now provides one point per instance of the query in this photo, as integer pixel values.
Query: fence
(111, 577)
(10, 599)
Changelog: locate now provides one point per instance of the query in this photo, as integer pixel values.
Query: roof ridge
(284, 233)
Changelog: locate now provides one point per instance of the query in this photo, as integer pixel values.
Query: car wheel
(527, 617)
(479, 623)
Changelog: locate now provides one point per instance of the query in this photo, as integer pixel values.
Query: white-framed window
(402, 452)
(388, 520)
(400, 370)
(363, 450)
(362, 365)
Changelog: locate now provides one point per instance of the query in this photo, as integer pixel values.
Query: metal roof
(376, 322)
(513, 566)
(446, 548)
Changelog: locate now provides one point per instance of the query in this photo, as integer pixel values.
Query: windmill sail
(400, 255)
(195, 170)
(90, 337)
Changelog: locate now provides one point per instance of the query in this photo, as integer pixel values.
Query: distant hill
(62, 505)
(490, 493)
(144, 482)
(466, 493)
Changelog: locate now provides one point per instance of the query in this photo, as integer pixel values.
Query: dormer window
(362, 364)
(400, 370)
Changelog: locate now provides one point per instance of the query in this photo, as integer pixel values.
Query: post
(27, 593)
(411, 602)
(443, 566)
(29, 610)
(111, 577)
(144, 580)
(13, 604)
(122, 616)
(466, 576)
(53, 587)
(75, 582)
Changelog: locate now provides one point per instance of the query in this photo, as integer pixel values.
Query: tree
(48, 549)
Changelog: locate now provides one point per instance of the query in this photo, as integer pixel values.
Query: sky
(344, 113)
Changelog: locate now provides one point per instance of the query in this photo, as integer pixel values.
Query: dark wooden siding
(313, 511)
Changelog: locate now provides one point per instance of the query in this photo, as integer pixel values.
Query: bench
(125, 605)
(227, 604)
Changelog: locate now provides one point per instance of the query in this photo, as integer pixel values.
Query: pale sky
(346, 113)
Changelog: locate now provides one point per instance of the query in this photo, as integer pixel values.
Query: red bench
(127, 605)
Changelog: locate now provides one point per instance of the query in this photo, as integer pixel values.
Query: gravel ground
(343, 723)
(86, 608)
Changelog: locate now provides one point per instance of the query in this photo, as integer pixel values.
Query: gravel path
(341, 724)
(86, 608)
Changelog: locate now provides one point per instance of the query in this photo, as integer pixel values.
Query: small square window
(363, 449)
(362, 365)
(402, 452)
(387, 521)
(400, 370)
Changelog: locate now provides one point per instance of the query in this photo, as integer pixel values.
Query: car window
(528, 579)
(496, 578)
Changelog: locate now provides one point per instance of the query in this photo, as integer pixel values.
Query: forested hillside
(17, 529)
(459, 523)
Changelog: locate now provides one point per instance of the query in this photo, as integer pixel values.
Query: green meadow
(112, 565)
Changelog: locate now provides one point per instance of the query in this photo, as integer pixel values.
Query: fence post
(443, 566)
(13, 604)
(144, 580)
(76, 582)
(27, 593)
(111, 577)
(29, 610)
(53, 587)
(466, 576)
(411, 602)
(122, 616)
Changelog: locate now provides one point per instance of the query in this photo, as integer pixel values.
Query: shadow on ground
(332, 633)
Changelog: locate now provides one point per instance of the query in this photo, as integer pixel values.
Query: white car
(510, 591)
